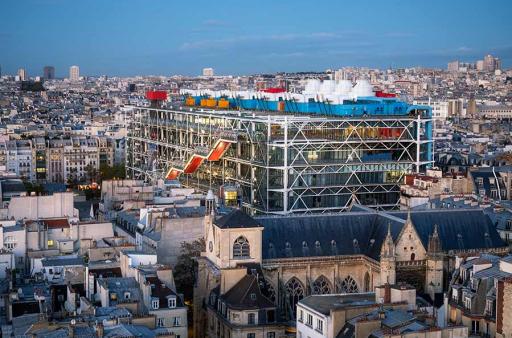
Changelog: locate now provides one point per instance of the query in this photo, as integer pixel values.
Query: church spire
(434, 242)
(388, 247)
(409, 219)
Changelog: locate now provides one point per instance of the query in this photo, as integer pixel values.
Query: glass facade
(282, 163)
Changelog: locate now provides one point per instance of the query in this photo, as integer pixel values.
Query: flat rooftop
(325, 303)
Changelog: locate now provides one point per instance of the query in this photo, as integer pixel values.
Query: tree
(116, 171)
(91, 173)
(184, 271)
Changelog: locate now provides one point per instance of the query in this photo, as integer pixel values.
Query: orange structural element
(173, 174)
(190, 101)
(211, 103)
(219, 150)
(192, 165)
(223, 103)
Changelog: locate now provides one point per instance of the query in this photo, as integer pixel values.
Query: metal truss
(283, 163)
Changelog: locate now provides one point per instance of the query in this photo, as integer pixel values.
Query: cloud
(464, 49)
(214, 23)
(271, 38)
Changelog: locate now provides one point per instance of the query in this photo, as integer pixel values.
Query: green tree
(91, 173)
(108, 173)
(184, 271)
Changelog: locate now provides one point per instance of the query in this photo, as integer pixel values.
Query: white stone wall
(36, 207)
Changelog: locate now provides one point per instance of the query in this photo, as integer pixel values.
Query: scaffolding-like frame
(275, 160)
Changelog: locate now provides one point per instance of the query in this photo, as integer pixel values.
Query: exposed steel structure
(281, 162)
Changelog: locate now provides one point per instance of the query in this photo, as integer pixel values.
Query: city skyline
(161, 39)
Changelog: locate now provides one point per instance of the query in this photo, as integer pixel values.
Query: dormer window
(489, 306)
(253, 296)
(467, 303)
(155, 304)
(171, 302)
(127, 295)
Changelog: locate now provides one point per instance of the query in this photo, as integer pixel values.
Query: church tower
(388, 260)
(434, 274)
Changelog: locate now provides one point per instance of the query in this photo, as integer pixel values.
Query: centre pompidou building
(274, 153)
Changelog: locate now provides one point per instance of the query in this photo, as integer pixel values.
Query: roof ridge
(249, 287)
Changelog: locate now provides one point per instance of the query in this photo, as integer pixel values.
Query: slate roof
(236, 219)
(62, 261)
(355, 233)
(162, 292)
(458, 229)
(246, 294)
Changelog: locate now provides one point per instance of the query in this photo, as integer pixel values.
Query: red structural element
(390, 132)
(219, 150)
(193, 164)
(156, 95)
(274, 90)
(380, 93)
(173, 174)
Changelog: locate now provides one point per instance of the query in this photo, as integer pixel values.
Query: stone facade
(287, 276)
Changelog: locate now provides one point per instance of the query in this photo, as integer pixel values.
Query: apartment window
(320, 325)
(301, 315)
(251, 318)
(161, 322)
(271, 335)
(155, 304)
(172, 302)
(251, 335)
(489, 307)
(467, 303)
(176, 321)
(309, 320)
(455, 295)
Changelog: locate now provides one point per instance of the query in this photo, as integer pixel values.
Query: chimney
(387, 293)
(99, 330)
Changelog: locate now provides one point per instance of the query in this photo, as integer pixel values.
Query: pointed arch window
(295, 292)
(322, 286)
(348, 285)
(241, 248)
(367, 282)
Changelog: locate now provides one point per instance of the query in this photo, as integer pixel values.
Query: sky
(168, 37)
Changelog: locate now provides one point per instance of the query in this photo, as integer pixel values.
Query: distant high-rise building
(453, 66)
(74, 73)
(340, 74)
(22, 74)
(49, 72)
(490, 63)
(208, 72)
(480, 65)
